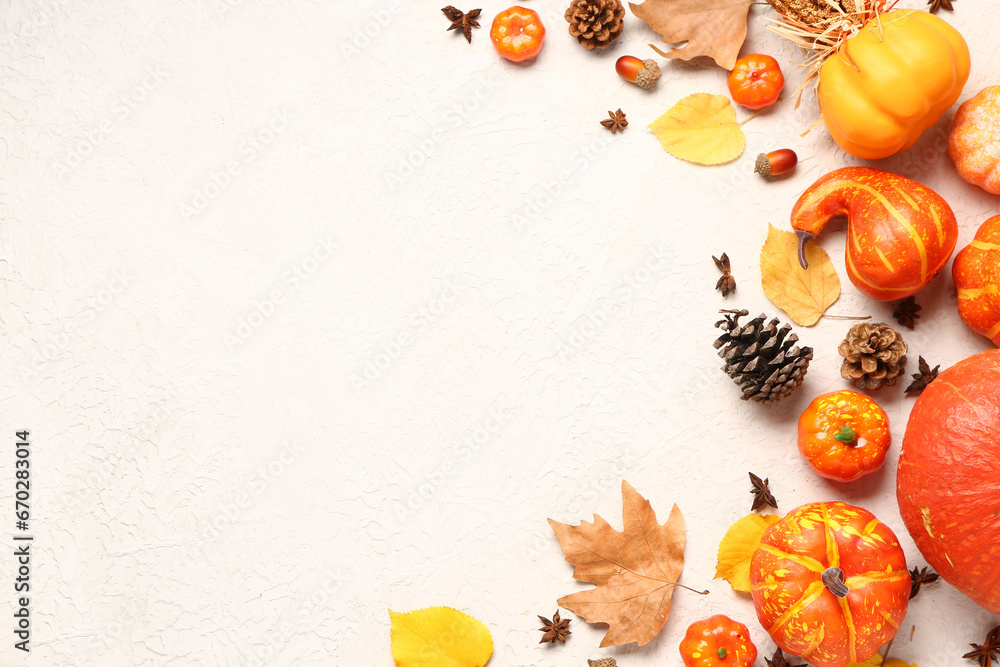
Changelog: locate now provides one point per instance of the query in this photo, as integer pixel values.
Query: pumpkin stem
(804, 238)
(833, 579)
(722, 652)
(847, 436)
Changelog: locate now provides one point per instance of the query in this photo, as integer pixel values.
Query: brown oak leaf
(713, 28)
(635, 570)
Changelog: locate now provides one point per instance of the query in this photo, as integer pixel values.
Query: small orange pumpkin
(974, 140)
(976, 272)
(899, 233)
(830, 583)
(890, 82)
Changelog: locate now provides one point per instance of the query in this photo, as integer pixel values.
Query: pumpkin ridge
(832, 549)
(812, 593)
(857, 581)
(852, 631)
(807, 562)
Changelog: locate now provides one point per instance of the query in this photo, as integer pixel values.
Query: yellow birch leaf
(737, 547)
(439, 637)
(874, 661)
(804, 294)
(701, 128)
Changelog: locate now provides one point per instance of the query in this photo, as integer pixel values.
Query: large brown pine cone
(596, 23)
(874, 355)
(762, 357)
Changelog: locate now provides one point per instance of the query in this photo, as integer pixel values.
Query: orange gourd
(899, 233)
(830, 584)
(976, 272)
(890, 82)
(974, 140)
(948, 478)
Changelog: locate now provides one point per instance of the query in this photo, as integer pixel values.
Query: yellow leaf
(439, 637)
(701, 128)
(737, 547)
(802, 293)
(874, 661)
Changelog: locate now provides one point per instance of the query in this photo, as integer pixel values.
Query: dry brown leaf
(713, 28)
(804, 294)
(701, 128)
(635, 570)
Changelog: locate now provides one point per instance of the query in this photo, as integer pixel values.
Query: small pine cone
(603, 662)
(762, 358)
(596, 23)
(874, 355)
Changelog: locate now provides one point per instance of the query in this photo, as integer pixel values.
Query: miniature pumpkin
(899, 233)
(948, 479)
(890, 82)
(976, 271)
(830, 583)
(974, 140)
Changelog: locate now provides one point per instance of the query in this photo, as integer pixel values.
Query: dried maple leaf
(635, 570)
(701, 128)
(737, 547)
(804, 294)
(713, 28)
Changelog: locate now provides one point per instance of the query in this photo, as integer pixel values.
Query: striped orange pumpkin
(977, 276)
(899, 233)
(830, 584)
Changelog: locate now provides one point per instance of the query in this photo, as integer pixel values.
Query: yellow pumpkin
(974, 141)
(890, 82)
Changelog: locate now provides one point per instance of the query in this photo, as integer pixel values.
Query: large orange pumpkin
(976, 272)
(975, 139)
(830, 584)
(890, 82)
(948, 480)
(899, 233)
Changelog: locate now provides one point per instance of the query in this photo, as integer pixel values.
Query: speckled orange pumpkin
(899, 233)
(974, 140)
(976, 271)
(830, 584)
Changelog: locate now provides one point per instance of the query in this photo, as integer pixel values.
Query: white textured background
(314, 309)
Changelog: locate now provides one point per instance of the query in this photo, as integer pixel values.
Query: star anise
(616, 123)
(779, 660)
(907, 312)
(464, 20)
(555, 630)
(726, 284)
(988, 651)
(761, 493)
(921, 577)
(924, 377)
(939, 4)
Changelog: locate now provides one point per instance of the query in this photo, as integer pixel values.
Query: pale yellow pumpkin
(892, 81)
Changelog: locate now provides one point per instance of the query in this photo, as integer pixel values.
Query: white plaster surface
(308, 323)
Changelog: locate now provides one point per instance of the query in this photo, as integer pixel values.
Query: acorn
(776, 162)
(643, 73)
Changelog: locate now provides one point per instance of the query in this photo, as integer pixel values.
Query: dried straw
(821, 26)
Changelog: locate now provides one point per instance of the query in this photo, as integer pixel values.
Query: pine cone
(596, 23)
(874, 355)
(761, 358)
